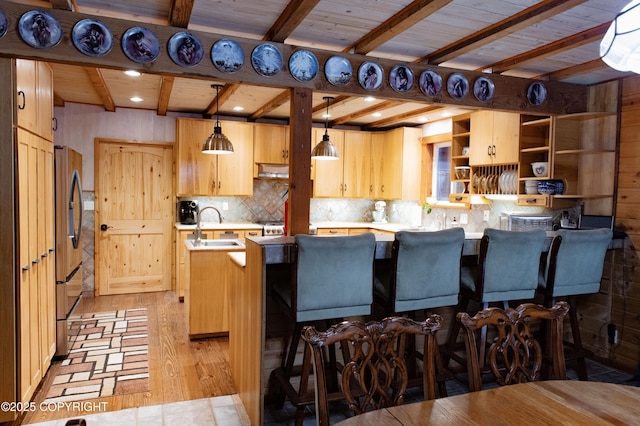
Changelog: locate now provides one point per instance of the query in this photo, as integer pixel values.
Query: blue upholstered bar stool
(574, 267)
(507, 270)
(332, 279)
(425, 275)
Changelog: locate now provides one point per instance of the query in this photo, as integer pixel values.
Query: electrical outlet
(464, 219)
(485, 216)
(225, 206)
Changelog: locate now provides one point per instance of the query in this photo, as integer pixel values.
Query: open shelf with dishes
(494, 180)
(534, 157)
(460, 171)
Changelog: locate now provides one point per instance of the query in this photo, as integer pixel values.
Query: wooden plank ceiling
(548, 40)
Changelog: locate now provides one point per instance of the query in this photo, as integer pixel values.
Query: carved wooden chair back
(374, 374)
(515, 355)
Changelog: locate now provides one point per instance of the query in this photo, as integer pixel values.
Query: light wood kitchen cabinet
(206, 295)
(36, 287)
(328, 174)
(206, 174)
(401, 167)
(270, 145)
(34, 82)
(377, 164)
(494, 138)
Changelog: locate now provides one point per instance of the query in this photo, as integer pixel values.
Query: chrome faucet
(198, 230)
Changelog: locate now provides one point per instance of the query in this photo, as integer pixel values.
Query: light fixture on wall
(217, 142)
(620, 47)
(325, 150)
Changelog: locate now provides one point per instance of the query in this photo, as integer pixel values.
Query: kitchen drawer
(333, 231)
(228, 233)
(533, 200)
(459, 198)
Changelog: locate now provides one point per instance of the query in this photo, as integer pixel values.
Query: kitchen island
(268, 259)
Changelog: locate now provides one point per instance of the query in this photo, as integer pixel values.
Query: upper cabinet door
(356, 164)
(270, 145)
(234, 170)
(328, 180)
(481, 138)
(26, 87)
(44, 95)
(196, 172)
(494, 138)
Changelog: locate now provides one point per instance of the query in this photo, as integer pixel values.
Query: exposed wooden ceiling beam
(180, 13)
(289, 19)
(366, 111)
(225, 93)
(64, 4)
(402, 117)
(323, 106)
(558, 46)
(273, 103)
(166, 85)
(401, 21)
(530, 16)
(565, 73)
(101, 88)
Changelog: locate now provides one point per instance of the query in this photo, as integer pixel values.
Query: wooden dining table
(555, 402)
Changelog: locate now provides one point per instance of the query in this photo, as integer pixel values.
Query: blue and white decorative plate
(483, 89)
(303, 65)
(430, 83)
(457, 86)
(39, 29)
(370, 75)
(338, 70)
(92, 37)
(227, 56)
(4, 24)
(140, 45)
(537, 93)
(185, 49)
(266, 59)
(401, 78)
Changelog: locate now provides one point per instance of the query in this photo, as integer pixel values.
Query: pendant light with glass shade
(325, 149)
(620, 46)
(217, 142)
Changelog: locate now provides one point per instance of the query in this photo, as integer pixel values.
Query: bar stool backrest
(575, 262)
(334, 276)
(509, 264)
(426, 272)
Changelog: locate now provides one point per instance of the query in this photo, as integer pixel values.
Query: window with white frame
(441, 179)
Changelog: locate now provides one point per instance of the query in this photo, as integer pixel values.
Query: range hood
(273, 171)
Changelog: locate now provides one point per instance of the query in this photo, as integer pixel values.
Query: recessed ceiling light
(132, 73)
(369, 99)
(325, 115)
(446, 114)
(238, 108)
(423, 119)
(377, 114)
(136, 99)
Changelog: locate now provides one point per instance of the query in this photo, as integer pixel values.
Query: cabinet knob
(104, 227)
(493, 150)
(530, 200)
(36, 260)
(382, 188)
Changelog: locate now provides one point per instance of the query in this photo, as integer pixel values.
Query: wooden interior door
(134, 217)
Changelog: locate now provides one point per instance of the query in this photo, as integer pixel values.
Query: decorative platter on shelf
(39, 29)
(227, 56)
(401, 78)
(457, 86)
(370, 75)
(483, 89)
(140, 45)
(4, 24)
(266, 59)
(430, 83)
(338, 70)
(92, 37)
(185, 49)
(303, 65)
(537, 93)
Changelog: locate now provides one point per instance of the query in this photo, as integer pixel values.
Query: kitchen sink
(216, 243)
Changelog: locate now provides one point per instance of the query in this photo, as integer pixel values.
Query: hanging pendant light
(217, 142)
(620, 47)
(325, 150)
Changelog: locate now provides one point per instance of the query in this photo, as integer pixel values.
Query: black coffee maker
(187, 210)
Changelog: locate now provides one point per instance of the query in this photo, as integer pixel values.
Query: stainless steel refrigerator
(69, 209)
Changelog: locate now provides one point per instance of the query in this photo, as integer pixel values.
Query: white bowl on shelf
(540, 168)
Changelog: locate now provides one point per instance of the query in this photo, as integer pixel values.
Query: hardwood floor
(179, 369)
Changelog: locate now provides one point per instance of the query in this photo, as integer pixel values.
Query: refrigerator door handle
(73, 229)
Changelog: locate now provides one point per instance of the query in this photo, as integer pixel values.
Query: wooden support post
(300, 161)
